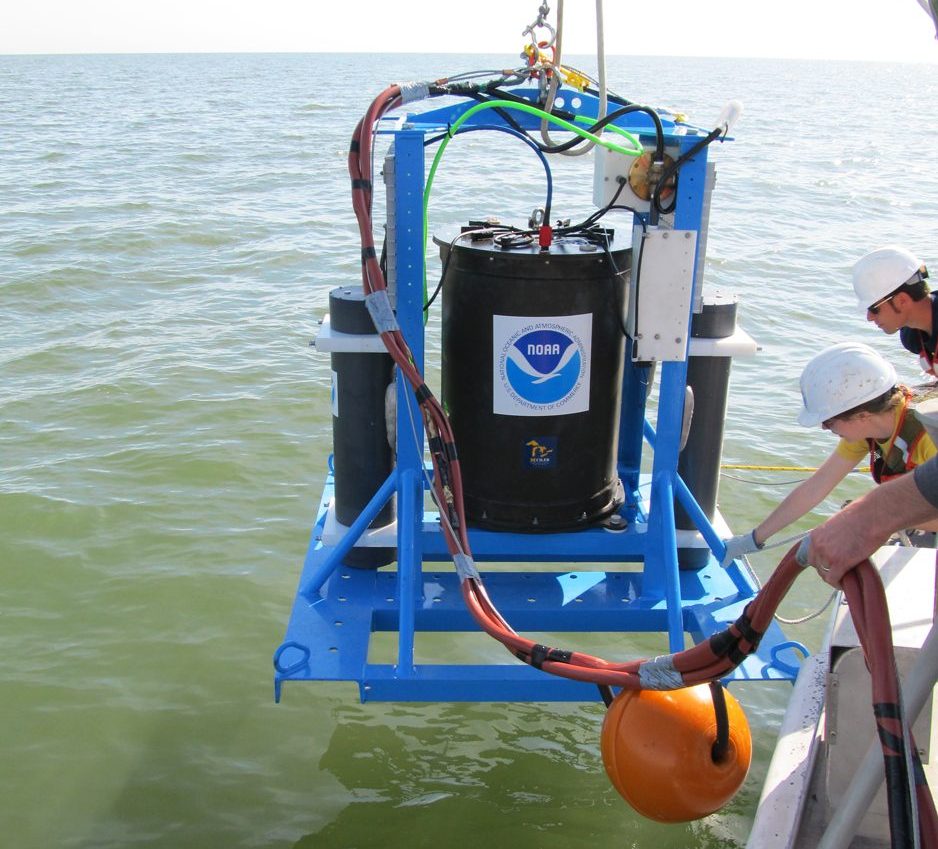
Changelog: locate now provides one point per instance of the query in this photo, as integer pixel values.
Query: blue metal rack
(621, 577)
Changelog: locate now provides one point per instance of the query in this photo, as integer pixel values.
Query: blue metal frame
(338, 609)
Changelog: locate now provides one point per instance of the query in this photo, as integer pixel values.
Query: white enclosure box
(661, 292)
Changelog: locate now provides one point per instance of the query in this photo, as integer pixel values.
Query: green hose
(635, 150)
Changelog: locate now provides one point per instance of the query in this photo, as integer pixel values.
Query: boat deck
(828, 729)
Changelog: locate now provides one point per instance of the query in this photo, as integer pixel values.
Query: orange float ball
(657, 750)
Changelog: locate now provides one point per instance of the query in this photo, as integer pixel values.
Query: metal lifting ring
(542, 13)
(534, 42)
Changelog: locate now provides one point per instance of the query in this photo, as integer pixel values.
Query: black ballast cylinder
(529, 465)
(699, 462)
(362, 456)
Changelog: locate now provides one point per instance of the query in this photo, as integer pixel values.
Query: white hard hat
(883, 271)
(840, 378)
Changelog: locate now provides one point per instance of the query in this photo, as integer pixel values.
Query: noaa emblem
(541, 364)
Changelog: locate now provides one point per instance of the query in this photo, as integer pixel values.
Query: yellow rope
(780, 468)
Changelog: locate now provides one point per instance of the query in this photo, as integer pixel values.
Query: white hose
(555, 80)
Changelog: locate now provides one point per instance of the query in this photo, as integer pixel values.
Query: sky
(876, 30)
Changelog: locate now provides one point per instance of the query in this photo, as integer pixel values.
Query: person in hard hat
(854, 393)
(890, 287)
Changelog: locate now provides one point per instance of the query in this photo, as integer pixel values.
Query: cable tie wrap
(744, 624)
(382, 314)
(801, 556)
(423, 393)
(887, 710)
(736, 655)
(414, 91)
(660, 674)
(541, 653)
(723, 642)
(727, 643)
(466, 567)
(358, 183)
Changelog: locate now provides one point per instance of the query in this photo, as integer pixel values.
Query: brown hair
(916, 291)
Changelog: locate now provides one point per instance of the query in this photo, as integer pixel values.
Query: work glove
(737, 546)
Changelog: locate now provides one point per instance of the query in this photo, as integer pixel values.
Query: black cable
(631, 209)
(449, 254)
(615, 98)
(637, 273)
(619, 306)
(521, 239)
(587, 224)
(500, 78)
(608, 119)
(498, 94)
(672, 169)
(518, 134)
(505, 114)
(627, 108)
(721, 745)
(439, 285)
(599, 213)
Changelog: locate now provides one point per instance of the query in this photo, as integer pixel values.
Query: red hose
(867, 600)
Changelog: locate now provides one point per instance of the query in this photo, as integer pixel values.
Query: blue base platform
(329, 635)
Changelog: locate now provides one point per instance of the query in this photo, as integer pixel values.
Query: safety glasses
(874, 309)
(920, 275)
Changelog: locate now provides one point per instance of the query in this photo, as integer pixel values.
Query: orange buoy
(657, 749)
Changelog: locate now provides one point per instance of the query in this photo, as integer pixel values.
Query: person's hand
(737, 546)
(835, 547)
(853, 534)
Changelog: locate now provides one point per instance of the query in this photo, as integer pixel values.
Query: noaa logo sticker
(541, 364)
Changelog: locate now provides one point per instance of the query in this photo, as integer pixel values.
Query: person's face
(889, 313)
(853, 428)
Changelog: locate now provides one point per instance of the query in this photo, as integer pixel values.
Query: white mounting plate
(659, 307)
(609, 167)
(740, 344)
(333, 341)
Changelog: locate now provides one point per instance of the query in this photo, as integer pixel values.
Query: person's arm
(805, 497)
(854, 533)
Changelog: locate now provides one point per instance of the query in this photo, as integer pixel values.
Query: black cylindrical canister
(532, 370)
(709, 377)
(362, 455)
